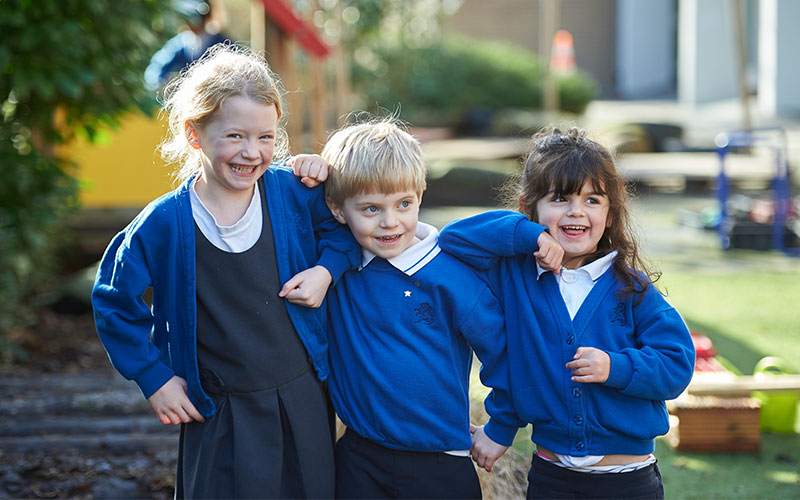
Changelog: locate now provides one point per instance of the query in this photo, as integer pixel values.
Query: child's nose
(249, 150)
(575, 209)
(389, 219)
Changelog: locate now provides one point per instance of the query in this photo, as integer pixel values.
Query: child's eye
(266, 137)
(405, 204)
(595, 200)
(235, 136)
(371, 209)
(559, 199)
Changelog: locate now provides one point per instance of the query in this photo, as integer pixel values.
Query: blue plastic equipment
(775, 139)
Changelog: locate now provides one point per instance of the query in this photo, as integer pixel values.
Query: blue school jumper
(401, 332)
(651, 351)
(150, 345)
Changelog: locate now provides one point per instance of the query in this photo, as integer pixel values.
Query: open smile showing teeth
(388, 239)
(243, 169)
(574, 229)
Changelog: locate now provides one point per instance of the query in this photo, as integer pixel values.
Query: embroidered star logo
(407, 293)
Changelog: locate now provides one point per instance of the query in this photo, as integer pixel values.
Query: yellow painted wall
(124, 170)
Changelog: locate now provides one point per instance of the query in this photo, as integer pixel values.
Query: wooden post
(342, 68)
(317, 106)
(548, 22)
(295, 99)
(258, 27)
(741, 58)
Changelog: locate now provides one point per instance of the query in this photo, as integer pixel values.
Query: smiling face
(236, 144)
(577, 221)
(384, 224)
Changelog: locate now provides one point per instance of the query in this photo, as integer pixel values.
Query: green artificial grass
(772, 473)
(746, 315)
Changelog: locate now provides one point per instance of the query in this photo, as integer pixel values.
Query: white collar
(594, 269)
(251, 216)
(414, 257)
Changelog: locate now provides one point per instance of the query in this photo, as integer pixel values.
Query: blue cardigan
(157, 249)
(651, 351)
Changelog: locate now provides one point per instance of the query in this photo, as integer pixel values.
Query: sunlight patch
(783, 476)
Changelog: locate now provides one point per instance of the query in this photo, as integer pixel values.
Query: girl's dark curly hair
(561, 162)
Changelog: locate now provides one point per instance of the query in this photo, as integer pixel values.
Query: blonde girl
(239, 258)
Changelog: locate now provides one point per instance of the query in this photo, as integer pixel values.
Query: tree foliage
(66, 68)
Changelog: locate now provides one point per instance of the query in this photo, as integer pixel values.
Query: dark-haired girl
(594, 349)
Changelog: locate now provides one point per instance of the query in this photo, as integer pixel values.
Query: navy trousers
(546, 481)
(365, 469)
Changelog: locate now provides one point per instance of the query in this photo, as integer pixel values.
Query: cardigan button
(580, 446)
(576, 392)
(577, 419)
(571, 339)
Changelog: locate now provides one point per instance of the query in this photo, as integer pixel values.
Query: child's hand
(312, 169)
(550, 253)
(484, 451)
(307, 288)
(590, 365)
(171, 403)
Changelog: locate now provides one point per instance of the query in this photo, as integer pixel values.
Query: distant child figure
(219, 351)
(401, 330)
(202, 32)
(594, 350)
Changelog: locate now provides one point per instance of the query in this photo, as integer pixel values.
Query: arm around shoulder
(338, 250)
(495, 234)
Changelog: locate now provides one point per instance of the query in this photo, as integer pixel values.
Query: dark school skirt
(269, 443)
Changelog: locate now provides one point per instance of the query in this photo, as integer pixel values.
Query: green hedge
(438, 83)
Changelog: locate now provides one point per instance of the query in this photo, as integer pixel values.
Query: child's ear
(191, 134)
(336, 211)
(521, 207)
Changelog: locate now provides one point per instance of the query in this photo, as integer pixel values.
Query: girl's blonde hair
(373, 157)
(561, 162)
(224, 71)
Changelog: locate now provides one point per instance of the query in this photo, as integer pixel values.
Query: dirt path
(70, 427)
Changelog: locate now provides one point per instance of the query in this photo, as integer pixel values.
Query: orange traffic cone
(562, 56)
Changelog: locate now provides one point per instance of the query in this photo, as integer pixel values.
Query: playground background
(72, 428)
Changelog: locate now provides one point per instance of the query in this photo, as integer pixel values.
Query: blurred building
(695, 51)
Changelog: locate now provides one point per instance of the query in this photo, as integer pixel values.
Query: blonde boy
(401, 330)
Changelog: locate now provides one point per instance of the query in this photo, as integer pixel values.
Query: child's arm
(123, 319)
(482, 324)
(171, 403)
(661, 364)
(481, 239)
(307, 288)
(338, 250)
(485, 451)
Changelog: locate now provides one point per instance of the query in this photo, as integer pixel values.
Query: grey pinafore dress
(271, 436)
